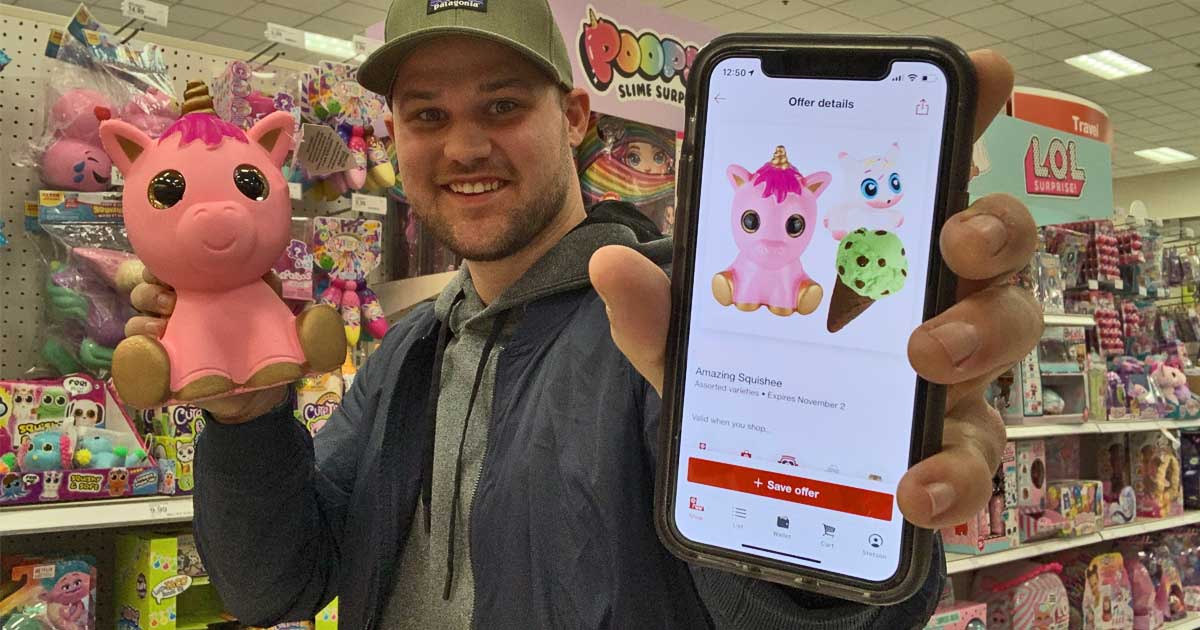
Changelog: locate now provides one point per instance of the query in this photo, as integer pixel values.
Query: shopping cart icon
(830, 530)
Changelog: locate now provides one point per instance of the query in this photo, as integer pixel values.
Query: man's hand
(156, 301)
(991, 327)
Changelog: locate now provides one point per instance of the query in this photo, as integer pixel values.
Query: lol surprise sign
(209, 216)
(774, 210)
(873, 188)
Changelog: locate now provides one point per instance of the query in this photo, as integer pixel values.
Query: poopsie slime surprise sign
(636, 66)
(633, 59)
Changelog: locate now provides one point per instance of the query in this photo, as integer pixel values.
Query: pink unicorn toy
(207, 211)
(872, 188)
(774, 211)
(74, 159)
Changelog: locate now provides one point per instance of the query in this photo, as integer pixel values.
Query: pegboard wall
(23, 34)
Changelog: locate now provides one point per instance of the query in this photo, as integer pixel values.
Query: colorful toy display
(48, 593)
(229, 330)
(774, 210)
(1081, 504)
(1097, 588)
(1190, 462)
(156, 584)
(1157, 476)
(962, 615)
(628, 161)
(1023, 595)
(995, 527)
(1112, 467)
(347, 251)
(872, 188)
(317, 397)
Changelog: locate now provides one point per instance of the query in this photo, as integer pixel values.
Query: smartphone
(816, 174)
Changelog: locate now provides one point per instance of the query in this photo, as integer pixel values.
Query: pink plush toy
(208, 212)
(774, 213)
(1170, 381)
(151, 111)
(74, 159)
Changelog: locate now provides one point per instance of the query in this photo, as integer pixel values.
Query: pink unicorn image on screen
(872, 189)
(774, 212)
(208, 212)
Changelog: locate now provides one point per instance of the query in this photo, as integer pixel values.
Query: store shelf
(63, 517)
(1191, 622)
(960, 563)
(1030, 431)
(1068, 319)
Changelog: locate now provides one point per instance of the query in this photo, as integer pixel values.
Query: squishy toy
(870, 267)
(48, 450)
(74, 158)
(774, 211)
(208, 212)
(872, 189)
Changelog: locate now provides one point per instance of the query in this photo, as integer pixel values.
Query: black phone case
(953, 176)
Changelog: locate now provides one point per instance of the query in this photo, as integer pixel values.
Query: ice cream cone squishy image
(207, 211)
(871, 265)
(873, 186)
(773, 216)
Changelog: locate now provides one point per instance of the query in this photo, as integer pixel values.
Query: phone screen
(813, 235)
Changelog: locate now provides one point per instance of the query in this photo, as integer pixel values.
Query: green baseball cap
(526, 26)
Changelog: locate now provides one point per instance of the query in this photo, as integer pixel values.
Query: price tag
(295, 190)
(152, 12)
(116, 178)
(285, 35)
(1119, 284)
(365, 45)
(1142, 291)
(168, 509)
(370, 204)
(1093, 285)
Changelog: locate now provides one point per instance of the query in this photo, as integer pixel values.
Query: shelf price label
(371, 204)
(167, 509)
(1119, 284)
(295, 190)
(285, 35)
(1142, 291)
(145, 10)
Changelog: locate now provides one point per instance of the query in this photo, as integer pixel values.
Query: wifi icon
(912, 77)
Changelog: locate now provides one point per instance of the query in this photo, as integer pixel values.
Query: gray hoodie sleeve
(735, 602)
(271, 504)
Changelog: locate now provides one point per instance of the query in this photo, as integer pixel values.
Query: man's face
(483, 144)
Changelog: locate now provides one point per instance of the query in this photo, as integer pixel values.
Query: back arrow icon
(718, 98)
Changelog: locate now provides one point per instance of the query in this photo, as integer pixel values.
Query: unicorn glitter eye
(869, 188)
(251, 182)
(166, 189)
(750, 221)
(795, 225)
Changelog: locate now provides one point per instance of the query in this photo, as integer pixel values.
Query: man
(519, 494)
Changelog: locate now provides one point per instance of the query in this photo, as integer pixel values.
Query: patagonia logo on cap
(446, 5)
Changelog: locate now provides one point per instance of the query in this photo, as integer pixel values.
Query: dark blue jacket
(561, 535)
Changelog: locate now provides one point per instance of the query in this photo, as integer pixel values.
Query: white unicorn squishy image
(872, 187)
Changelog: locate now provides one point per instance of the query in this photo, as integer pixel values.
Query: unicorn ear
(817, 182)
(274, 134)
(124, 143)
(893, 152)
(738, 176)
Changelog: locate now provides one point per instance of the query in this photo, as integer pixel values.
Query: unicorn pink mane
(779, 180)
(203, 126)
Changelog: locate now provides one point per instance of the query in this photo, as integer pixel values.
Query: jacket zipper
(487, 451)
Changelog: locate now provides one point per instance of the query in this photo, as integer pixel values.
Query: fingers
(149, 278)
(994, 76)
(638, 296)
(951, 486)
(986, 331)
(144, 325)
(995, 237)
(154, 299)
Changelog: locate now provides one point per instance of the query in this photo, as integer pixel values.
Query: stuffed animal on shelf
(211, 216)
(97, 451)
(48, 450)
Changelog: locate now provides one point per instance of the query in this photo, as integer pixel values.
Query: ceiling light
(1107, 64)
(1165, 155)
(330, 46)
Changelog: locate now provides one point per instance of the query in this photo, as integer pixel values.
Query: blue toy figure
(48, 450)
(97, 451)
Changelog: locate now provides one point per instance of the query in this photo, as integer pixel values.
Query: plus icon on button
(758, 483)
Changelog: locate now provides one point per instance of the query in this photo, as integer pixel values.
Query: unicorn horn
(779, 160)
(591, 17)
(196, 99)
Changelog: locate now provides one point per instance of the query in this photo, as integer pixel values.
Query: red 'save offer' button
(822, 494)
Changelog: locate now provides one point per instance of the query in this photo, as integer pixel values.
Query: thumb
(638, 296)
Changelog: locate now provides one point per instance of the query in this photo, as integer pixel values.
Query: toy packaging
(48, 593)
(174, 431)
(629, 161)
(1036, 519)
(962, 615)
(995, 527)
(76, 444)
(346, 251)
(160, 585)
(1156, 473)
(317, 397)
(1063, 457)
(1081, 504)
(1108, 460)
(1098, 589)
(1022, 595)
(295, 265)
(1190, 459)
(229, 330)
